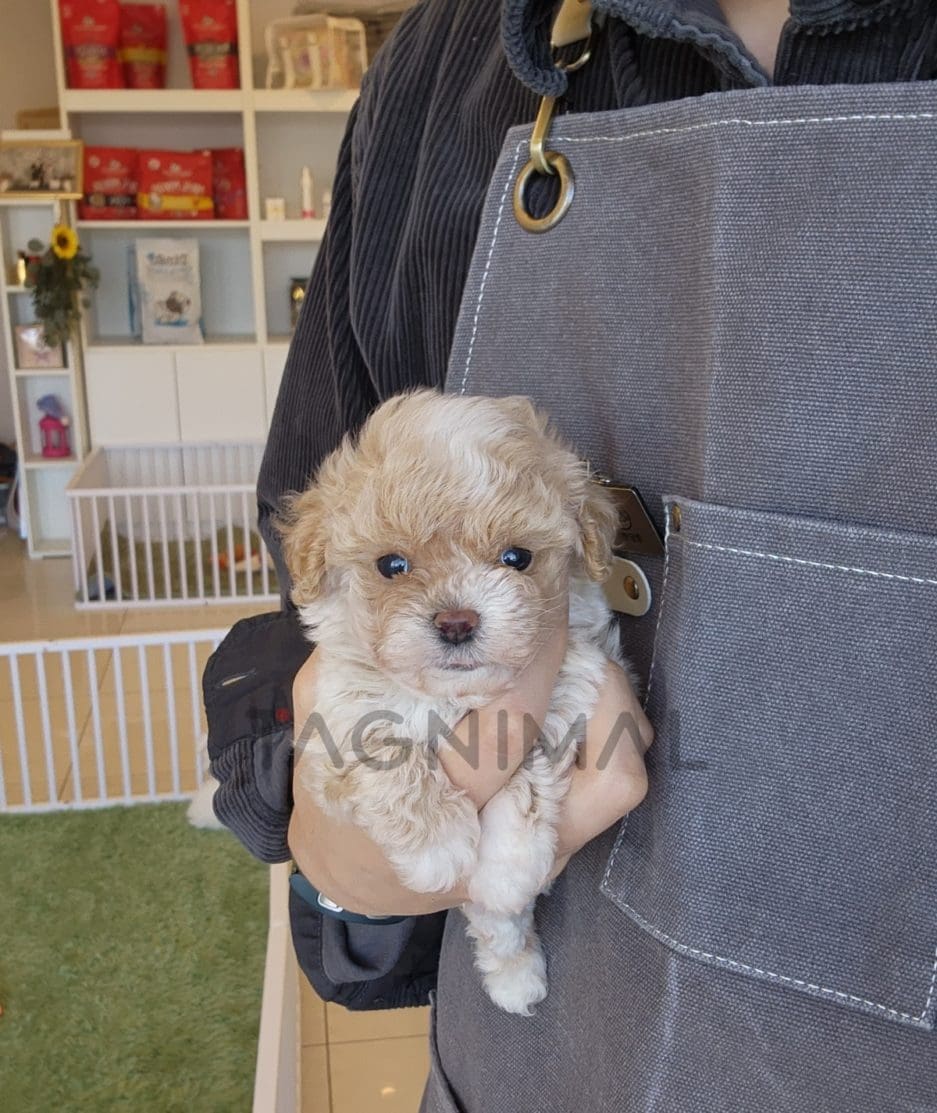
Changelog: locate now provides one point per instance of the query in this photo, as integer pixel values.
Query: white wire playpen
(99, 721)
(166, 525)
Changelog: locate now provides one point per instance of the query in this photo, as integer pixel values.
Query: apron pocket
(789, 830)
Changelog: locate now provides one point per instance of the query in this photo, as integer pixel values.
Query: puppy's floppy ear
(598, 524)
(302, 527)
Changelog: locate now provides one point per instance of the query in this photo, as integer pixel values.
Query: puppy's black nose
(456, 627)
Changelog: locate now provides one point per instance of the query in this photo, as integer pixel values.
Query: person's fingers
(490, 744)
(609, 779)
(599, 797)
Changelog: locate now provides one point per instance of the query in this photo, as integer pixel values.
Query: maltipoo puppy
(429, 559)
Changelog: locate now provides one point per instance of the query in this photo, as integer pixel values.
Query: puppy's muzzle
(456, 627)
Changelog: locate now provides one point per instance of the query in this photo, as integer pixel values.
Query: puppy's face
(437, 547)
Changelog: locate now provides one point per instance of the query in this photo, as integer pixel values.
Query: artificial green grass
(131, 963)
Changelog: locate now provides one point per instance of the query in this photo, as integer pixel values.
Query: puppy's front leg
(398, 795)
(518, 836)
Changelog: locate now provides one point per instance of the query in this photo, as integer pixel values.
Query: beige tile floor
(362, 1062)
(351, 1062)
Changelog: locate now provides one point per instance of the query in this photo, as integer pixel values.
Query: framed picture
(31, 351)
(41, 168)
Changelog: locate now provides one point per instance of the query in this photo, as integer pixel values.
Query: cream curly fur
(450, 483)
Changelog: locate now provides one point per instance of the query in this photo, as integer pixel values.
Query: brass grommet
(631, 587)
(559, 164)
(676, 517)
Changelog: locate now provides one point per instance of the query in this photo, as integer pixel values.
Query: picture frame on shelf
(44, 169)
(32, 353)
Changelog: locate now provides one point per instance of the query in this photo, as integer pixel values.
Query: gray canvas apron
(737, 315)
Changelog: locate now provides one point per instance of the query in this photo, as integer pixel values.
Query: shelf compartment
(226, 283)
(282, 263)
(292, 231)
(120, 101)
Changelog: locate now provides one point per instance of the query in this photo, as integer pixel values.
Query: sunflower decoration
(64, 241)
(59, 275)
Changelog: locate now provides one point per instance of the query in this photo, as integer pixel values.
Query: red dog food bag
(90, 37)
(211, 38)
(143, 45)
(110, 184)
(229, 183)
(175, 185)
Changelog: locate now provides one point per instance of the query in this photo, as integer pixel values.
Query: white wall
(27, 61)
(27, 80)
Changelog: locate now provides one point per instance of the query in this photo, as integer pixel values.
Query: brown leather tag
(637, 532)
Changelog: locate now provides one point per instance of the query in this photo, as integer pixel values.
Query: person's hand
(342, 862)
(609, 779)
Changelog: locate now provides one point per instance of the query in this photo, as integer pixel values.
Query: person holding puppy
(707, 271)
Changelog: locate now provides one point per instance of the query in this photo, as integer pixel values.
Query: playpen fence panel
(177, 545)
(168, 525)
(104, 720)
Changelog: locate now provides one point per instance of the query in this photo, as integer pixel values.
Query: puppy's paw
(200, 812)
(518, 983)
(436, 868)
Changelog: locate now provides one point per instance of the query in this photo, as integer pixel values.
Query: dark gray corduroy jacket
(382, 306)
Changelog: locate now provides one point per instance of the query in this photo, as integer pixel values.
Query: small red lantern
(53, 428)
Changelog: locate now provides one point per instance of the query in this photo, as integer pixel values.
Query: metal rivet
(631, 587)
(676, 517)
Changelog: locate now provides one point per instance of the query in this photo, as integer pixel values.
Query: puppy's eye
(392, 565)
(517, 558)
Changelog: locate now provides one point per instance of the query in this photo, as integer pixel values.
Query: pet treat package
(229, 183)
(143, 45)
(211, 38)
(165, 292)
(110, 184)
(175, 185)
(90, 39)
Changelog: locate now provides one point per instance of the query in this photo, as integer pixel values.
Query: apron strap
(526, 38)
(525, 32)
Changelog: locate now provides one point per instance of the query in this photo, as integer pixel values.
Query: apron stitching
(491, 251)
(795, 121)
(930, 992)
(812, 564)
(732, 964)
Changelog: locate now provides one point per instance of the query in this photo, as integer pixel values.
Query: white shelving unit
(43, 480)
(224, 389)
